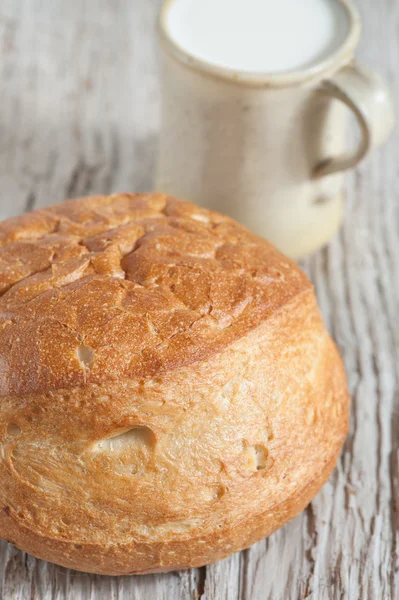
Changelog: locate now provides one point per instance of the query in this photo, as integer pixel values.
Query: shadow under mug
(268, 150)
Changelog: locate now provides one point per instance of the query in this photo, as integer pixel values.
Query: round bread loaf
(169, 393)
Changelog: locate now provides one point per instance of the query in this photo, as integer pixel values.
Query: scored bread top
(128, 286)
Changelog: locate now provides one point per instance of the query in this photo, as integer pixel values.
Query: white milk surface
(266, 36)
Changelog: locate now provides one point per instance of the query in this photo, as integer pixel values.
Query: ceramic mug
(268, 150)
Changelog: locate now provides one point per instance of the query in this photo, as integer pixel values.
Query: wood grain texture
(78, 115)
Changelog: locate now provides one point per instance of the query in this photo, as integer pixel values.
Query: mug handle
(369, 98)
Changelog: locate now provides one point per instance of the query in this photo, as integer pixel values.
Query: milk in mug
(256, 99)
(265, 36)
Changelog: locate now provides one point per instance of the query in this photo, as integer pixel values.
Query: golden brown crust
(148, 283)
(169, 392)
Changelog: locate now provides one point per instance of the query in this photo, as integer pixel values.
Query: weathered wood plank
(78, 115)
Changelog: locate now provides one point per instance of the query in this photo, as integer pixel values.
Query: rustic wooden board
(79, 99)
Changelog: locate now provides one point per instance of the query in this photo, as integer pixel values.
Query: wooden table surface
(79, 98)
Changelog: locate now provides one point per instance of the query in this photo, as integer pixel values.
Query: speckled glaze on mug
(269, 150)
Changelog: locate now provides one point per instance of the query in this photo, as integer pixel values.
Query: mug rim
(340, 56)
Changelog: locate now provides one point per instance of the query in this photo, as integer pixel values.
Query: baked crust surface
(169, 392)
